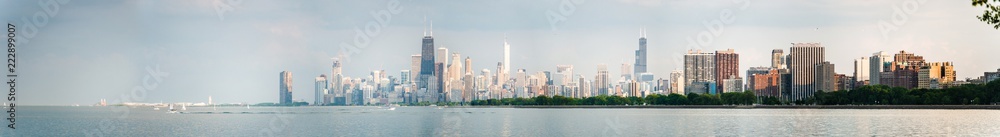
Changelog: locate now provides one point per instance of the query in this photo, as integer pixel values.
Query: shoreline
(984, 107)
(988, 107)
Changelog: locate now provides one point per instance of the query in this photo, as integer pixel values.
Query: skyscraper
(677, 82)
(601, 80)
(902, 71)
(878, 63)
(415, 65)
(935, 73)
(441, 56)
(640, 55)
(520, 83)
(861, 70)
(751, 81)
(727, 66)
(468, 65)
(506, 56)
(802, 61)
(427, 60)
(336, 79)
(699, 67)
(405, 76)
(626, 71)
(438, 88)
(776, 59)
(320, 89)
(566, 73)
(825, 79)
(766, 84)
(285, 88)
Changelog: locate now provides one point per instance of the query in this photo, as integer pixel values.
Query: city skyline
(582, 40)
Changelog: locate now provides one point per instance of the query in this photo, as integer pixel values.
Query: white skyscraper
(320, 89)
(506, 55)
(861, 69)
(877, 62)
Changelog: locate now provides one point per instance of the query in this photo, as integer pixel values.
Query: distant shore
(997, 107)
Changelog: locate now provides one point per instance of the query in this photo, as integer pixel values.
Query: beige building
(935, 73)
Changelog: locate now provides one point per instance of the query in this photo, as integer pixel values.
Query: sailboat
(172, 110)
(184, 107)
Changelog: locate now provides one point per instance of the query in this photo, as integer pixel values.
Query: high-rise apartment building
(601, 80)
(825, 77)
(751, 81)
(777, 60)
(727, 66)
(321, 88)
(861, 69)
(878, 63)
(802, 62)
(698, 67)
(766, 84)
(903, 71)
(935, 73)
(677, 82)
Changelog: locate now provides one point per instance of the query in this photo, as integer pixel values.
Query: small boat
(392, 108)
(184, 107)
(172, 110)
(156, 108)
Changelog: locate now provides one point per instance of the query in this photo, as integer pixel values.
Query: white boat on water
(172, 110)
(184, 107)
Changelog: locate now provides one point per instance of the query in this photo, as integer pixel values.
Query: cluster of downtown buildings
(437, 76)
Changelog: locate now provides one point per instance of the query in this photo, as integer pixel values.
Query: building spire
(432, 28)
(425, 25)
(642, 32)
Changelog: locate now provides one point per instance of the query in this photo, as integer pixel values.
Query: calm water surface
(432, 121)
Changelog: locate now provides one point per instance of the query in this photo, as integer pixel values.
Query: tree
(676, 99)
(992, 13)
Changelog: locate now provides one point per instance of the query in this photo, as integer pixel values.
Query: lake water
(432, 121)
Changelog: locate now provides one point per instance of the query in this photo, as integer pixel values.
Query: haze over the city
(92, 50)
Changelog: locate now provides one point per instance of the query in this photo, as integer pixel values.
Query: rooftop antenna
(425, 25)
(432, 28)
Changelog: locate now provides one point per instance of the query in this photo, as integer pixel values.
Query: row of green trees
(968, 94)
(732, 98)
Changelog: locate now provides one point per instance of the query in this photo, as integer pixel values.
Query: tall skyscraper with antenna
(640, 55)
(426, 63)
(503, 71)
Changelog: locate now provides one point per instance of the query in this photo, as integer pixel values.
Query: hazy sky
(83, 51)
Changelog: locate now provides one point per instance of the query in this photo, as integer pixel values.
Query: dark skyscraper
(640, 55)
(427, 56)
(426, 60)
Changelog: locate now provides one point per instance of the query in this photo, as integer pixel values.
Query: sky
(78, 52)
